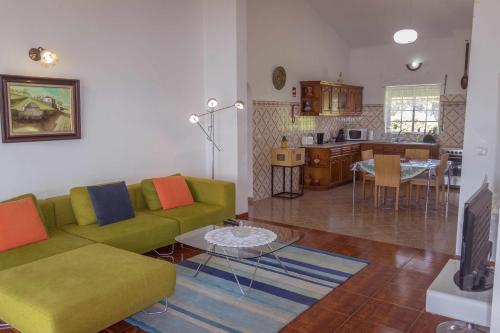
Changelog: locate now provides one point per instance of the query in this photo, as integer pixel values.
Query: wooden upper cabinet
(329, 98)
(326, 96)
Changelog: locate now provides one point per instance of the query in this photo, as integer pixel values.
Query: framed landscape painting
(39, 109)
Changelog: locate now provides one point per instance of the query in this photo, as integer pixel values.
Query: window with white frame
(412, 108)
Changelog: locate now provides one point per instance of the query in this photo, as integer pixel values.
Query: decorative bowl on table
(241, 231)
(247, 236)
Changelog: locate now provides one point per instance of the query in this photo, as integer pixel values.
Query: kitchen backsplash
(272, 121)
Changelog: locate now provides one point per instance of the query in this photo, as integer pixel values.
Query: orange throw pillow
(20, 224)
(173, 192)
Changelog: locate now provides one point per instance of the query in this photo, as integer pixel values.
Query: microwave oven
(353, 134)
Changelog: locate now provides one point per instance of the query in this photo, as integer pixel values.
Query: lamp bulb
(194, 118)
(212, 103)
(48, 58)
(239, 105)
(405, 36)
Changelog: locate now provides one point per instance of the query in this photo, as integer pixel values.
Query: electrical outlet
(482, 151)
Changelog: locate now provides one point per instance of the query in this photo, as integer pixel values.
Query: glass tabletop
(285, 237)
(409, 168)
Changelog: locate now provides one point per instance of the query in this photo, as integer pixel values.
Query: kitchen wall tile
(272, 121)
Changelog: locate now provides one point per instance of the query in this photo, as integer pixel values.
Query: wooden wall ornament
(464, 82)
(279, 77)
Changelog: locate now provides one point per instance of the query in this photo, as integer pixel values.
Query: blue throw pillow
(111, 203)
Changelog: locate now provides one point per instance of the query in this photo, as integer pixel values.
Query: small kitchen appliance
(320, 138)
(307, 140)
(356, 134)
(340, 136)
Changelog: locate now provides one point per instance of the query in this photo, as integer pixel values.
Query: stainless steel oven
(456, 168)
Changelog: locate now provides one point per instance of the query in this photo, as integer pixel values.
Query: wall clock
(279, 77)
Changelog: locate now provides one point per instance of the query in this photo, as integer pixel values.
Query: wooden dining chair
(365, 156)
(417, 154)
(437, 181)
(388, 175)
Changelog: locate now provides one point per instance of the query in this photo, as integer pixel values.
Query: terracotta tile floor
(332, 211)
(387, 296)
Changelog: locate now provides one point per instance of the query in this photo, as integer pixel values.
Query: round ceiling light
(405, 36)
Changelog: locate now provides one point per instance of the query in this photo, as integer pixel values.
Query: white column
(225, 79)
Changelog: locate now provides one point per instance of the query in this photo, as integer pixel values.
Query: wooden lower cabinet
(334, 167)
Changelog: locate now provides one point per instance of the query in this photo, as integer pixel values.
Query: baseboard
(242, 216)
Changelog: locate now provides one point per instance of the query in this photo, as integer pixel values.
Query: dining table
(409, 169)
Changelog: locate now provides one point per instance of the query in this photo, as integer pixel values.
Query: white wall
(290, 33)
(482, 121)
(224, 25)
(141, 72)
(378, 66)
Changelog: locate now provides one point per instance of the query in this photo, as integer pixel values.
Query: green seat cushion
(83, 290)
(58, 242)
(143, 233)
(194, 216)
(82, 206)
(149, 191)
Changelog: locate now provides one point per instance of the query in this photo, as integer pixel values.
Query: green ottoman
(83, 290)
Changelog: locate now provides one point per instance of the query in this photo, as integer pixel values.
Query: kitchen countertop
(350, 143)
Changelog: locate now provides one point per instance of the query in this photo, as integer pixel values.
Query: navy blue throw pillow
(111, 203)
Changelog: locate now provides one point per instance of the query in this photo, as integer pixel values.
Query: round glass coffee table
(248, 241)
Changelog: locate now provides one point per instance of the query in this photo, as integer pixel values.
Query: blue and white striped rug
(212, 301)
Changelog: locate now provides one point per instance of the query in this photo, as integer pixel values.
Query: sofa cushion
(143, 233)
(37, 203)
(111, 203)
(20, 224)
(58, 242)
(149, 191)
(194, 216)
(173, 192)
(82, 206)
(82, 291)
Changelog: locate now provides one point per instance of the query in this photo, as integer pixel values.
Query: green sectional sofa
(68, 283)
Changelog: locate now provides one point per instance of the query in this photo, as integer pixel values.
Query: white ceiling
(373, 22)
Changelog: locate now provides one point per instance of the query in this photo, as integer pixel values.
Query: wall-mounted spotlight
(46, 58)
(414, 65)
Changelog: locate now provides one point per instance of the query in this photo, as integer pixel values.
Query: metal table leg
(201, 265)
(353, 188)
(256, 267)
(448, 193)
(301, 170)
(168, 255)
(272, 180)
(428, 190)
(277, 259)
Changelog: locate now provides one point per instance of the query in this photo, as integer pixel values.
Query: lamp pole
(212, 125)
(210, 133)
